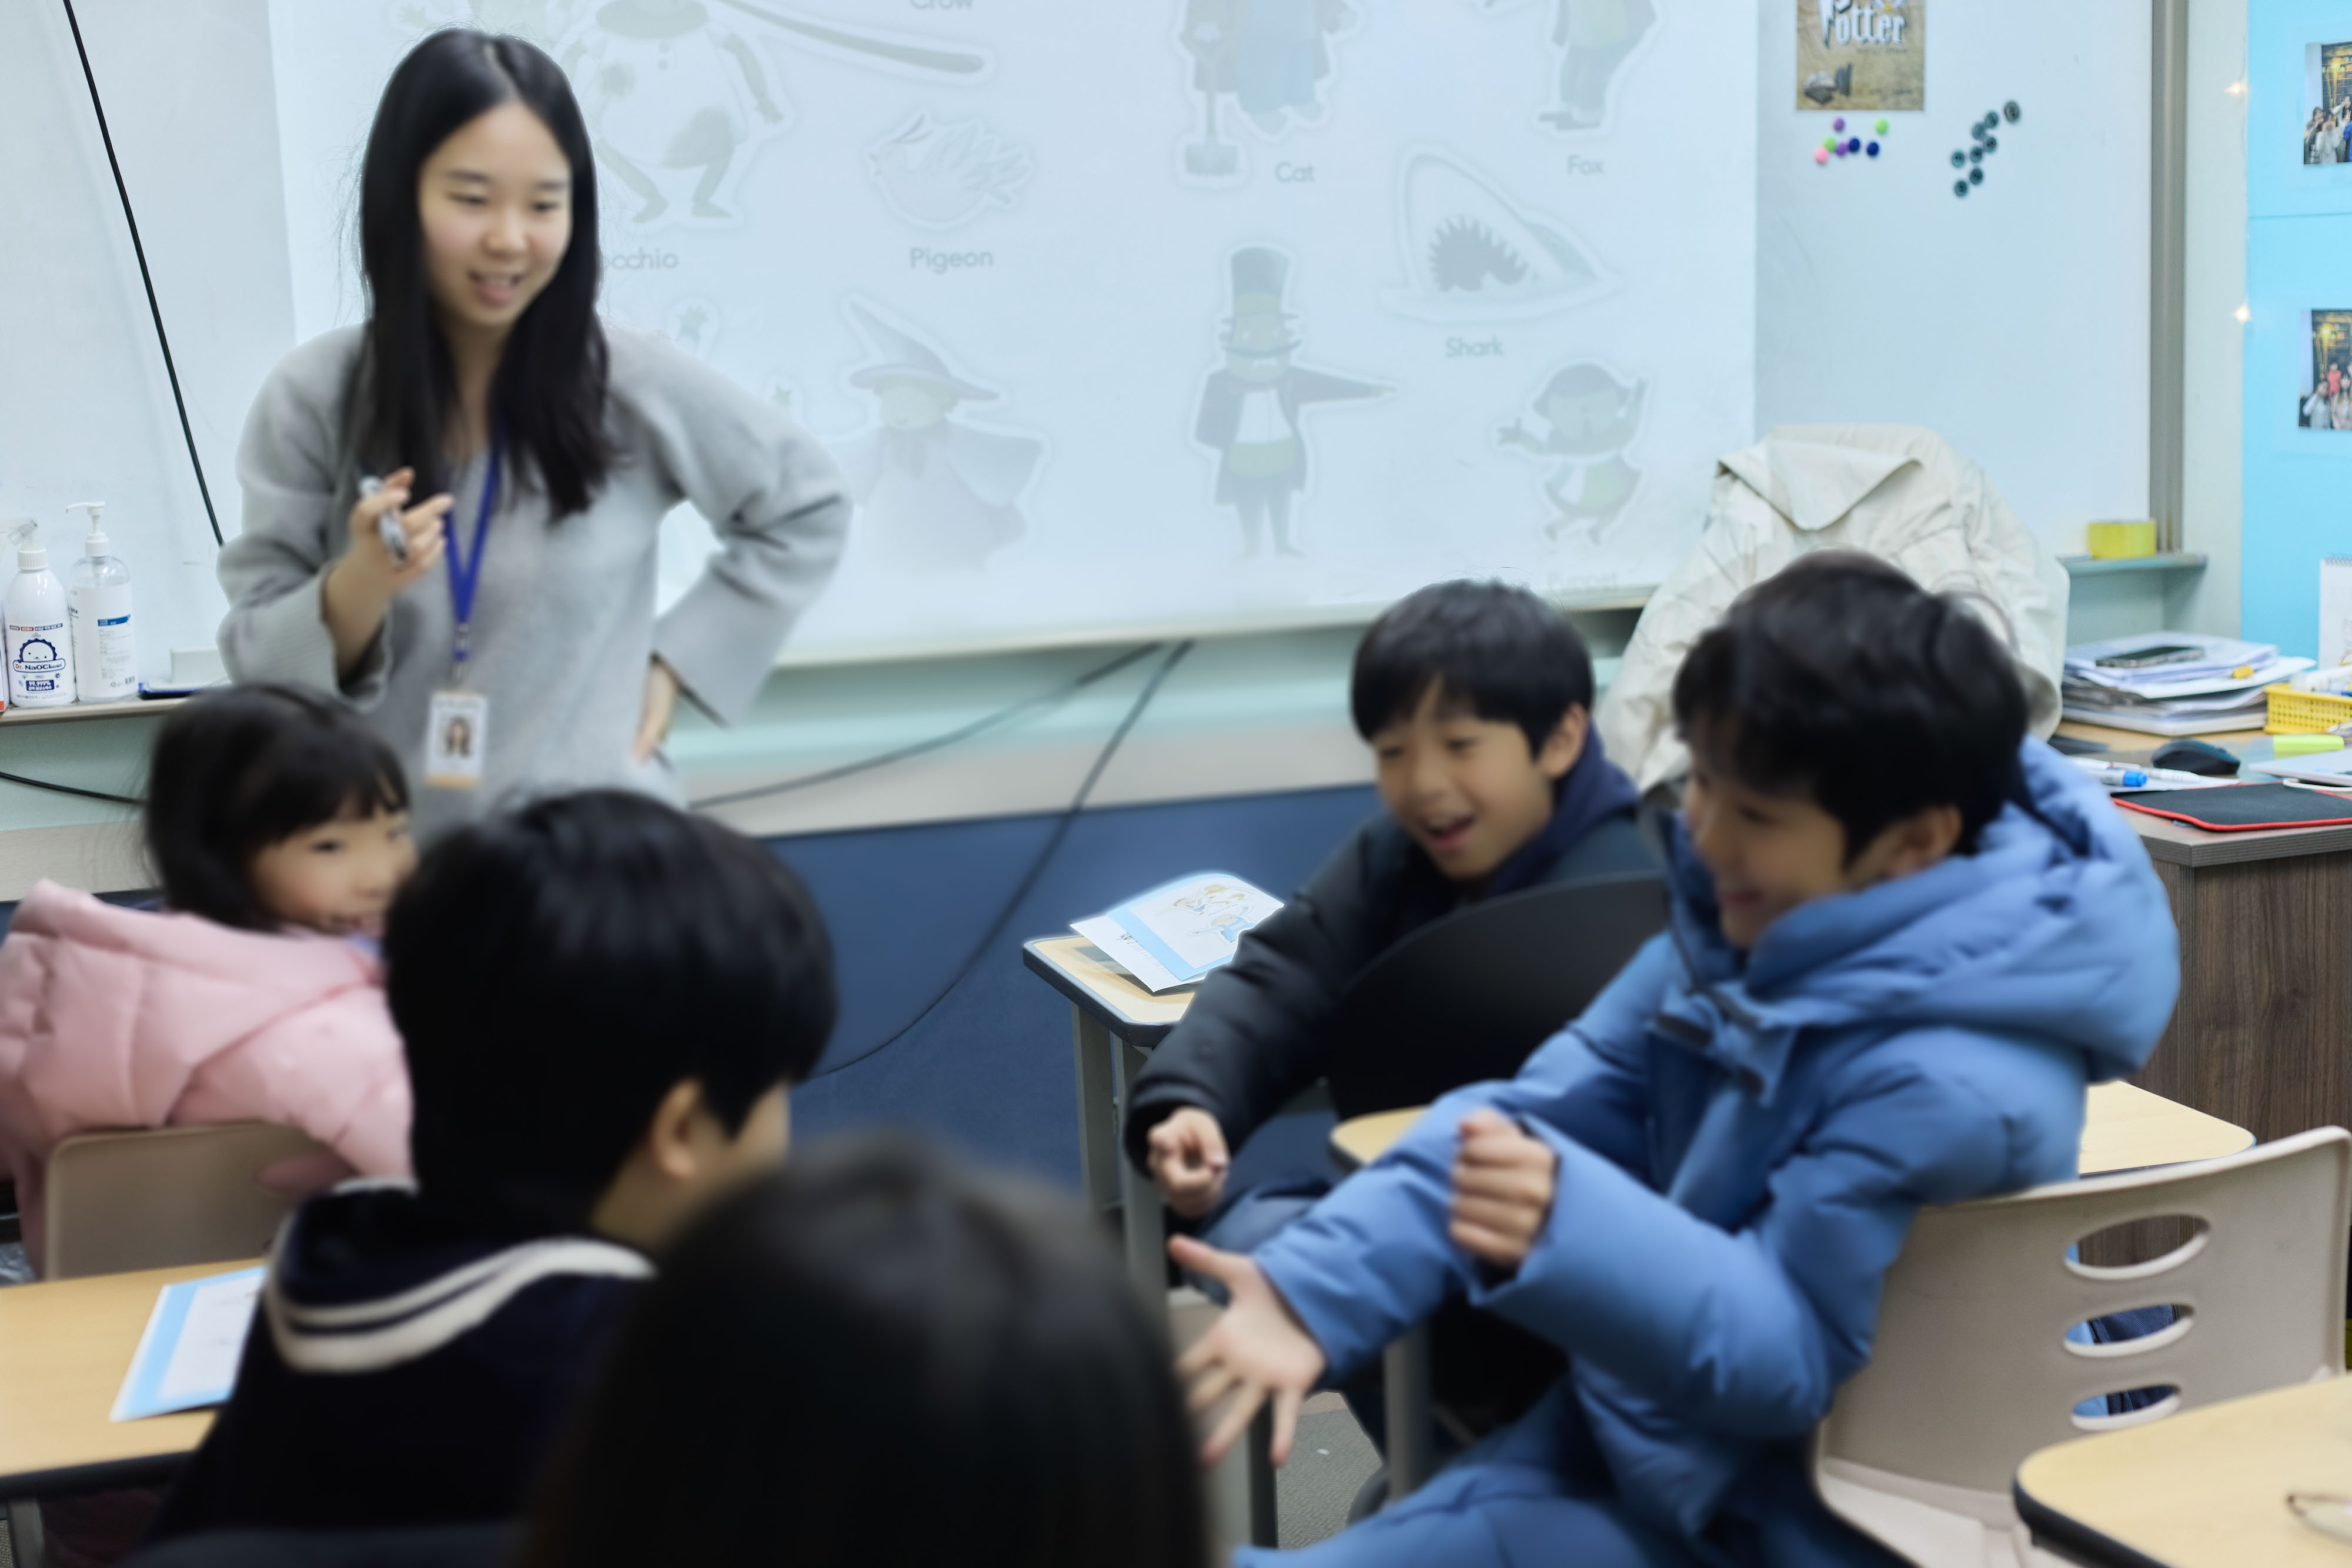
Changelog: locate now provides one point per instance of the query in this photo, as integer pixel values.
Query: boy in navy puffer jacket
(1904, 939)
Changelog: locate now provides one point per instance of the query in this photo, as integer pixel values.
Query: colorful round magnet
(1976, 176)
(1871, 149)
(1821, 154)
(2010, 110)
(1881, 126)
(1960, 187)
(1839, 123)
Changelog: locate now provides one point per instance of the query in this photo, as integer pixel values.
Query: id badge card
(457, 739)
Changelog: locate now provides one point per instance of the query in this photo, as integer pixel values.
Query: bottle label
(40, 668)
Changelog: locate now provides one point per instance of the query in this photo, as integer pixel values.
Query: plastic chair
(162, 1196)
(1971, 1370)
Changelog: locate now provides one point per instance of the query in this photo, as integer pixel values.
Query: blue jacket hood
(2057, 927)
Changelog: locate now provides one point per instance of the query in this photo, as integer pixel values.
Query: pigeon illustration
(939, 173)
(1472, 253)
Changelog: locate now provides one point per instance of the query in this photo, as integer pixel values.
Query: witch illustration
(1593, 417)
(1249, 408)
(1270, 57)
(1595, 36)
(934, 492)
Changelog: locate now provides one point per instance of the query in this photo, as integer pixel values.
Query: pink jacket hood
(115, 1017)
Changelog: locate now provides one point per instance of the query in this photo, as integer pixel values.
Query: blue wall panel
(2298, 483)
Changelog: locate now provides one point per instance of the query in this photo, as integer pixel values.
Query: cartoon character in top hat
(1595, 37)
(1249, 408)
(934, 494)
(1593, 416)
(1269, 55)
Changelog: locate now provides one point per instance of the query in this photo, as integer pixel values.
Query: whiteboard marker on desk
(387, 524)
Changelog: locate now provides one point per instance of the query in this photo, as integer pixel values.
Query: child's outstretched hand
(1503, 1185)
(1257, 1348)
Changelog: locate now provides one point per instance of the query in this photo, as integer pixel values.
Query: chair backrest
(1468, 997)
(162, 1196)
(1971, 1370)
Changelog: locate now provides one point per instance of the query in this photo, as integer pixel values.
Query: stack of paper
(2173, 683)
(1179, 931)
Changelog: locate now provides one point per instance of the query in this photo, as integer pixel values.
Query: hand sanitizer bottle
(98, 603)
(40, 650)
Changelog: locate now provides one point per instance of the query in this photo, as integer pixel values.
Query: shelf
(2170, 561)
(132, 708)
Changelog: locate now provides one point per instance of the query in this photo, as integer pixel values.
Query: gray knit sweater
(563, 620)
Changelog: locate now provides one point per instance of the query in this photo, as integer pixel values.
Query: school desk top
(2124, 1128)
(2204, 1488)
(2178, 844)
(64, 1346)
(1079, 970)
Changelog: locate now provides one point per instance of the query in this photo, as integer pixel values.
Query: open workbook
(1179, 930)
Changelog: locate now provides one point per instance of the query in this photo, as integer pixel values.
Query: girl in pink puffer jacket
(277, 825)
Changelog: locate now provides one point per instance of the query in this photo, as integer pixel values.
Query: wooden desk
(1114, 1022)
(2123, 1129)
(64, 1346)
(2205, 1489)
(2260, 1035)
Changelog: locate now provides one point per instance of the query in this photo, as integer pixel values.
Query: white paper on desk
(2322, 768)
(1194, 925)
(1127, 953)
(188, 1354)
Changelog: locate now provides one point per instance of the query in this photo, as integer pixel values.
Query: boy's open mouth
(1447, 836)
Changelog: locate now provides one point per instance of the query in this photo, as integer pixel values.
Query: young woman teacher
(489, 603)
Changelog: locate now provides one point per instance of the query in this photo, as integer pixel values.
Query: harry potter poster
(1862, 54)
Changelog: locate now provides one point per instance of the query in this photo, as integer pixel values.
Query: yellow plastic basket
(2303, 713)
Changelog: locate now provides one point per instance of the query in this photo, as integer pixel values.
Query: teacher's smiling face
(495, 204)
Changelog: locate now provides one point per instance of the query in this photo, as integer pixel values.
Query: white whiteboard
(1024, 201)
(2015, 323)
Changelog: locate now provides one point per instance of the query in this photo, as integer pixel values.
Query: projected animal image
(1249, 408)
(1270, 58)
(675, 93)
(1471, 252)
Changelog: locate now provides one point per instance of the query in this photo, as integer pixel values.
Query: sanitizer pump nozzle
(96, 544)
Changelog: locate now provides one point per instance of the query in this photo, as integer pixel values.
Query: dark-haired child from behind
(602, 1003)
(1904, 937)
(880, 1314)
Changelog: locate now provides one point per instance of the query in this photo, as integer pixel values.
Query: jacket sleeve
(275, 629)
(1751, 1330)
(1374, 1258)
(1254, 1035)
(773, 494)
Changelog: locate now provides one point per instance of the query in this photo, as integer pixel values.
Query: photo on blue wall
(2326, 400)
(2327, 103)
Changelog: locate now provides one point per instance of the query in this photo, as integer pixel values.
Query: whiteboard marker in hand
(387, 524)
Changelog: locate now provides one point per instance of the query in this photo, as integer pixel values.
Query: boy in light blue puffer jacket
(1904, 939)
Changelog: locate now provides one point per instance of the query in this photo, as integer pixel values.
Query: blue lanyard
(465, 575)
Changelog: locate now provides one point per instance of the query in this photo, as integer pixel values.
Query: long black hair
(238, 769)
(548, 396)
(881, 1316)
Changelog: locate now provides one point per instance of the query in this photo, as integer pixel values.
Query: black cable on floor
(1001, 715)
(1037, 866)
(153, 309)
